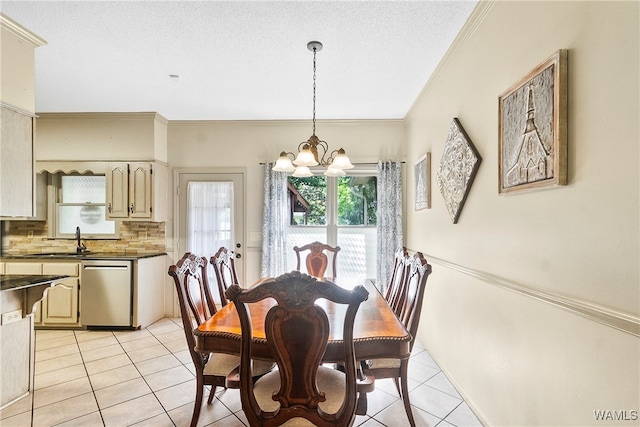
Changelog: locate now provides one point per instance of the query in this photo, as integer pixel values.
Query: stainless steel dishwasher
(106, 293)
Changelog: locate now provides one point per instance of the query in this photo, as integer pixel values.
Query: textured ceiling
(237, 60)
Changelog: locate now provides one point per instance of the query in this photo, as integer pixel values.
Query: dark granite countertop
(20, 281)
(83, 256)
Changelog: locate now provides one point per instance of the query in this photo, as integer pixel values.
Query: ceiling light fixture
(336, 162)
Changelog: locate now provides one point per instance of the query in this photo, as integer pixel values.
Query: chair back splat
(398, 276)
(418, 273)
(297, 331)
(317, 261)
(224, 265)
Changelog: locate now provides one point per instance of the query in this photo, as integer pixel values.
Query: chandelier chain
(308, 155)
(314, 90)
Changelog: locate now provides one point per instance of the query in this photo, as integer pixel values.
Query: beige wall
(101, 136)
(522, 285)
(17, 64)
(245, 145)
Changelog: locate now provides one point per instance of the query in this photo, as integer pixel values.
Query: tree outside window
(337, 211)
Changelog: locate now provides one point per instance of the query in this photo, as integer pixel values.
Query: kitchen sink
(58, 255)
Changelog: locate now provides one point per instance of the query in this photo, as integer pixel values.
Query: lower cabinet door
(61, 303)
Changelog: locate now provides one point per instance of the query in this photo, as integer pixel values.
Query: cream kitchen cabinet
(17, 182)
(59, 308)
(40, 213)
(148, 290)
(136, 191)
(17, 102)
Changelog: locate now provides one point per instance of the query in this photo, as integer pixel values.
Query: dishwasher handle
(106, 267)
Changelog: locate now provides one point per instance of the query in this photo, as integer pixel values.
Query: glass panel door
(211, 215)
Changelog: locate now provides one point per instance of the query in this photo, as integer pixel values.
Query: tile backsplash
(20, 237)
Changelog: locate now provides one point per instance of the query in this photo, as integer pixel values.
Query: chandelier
(308, 151)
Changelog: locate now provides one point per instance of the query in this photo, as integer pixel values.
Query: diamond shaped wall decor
(458, 167)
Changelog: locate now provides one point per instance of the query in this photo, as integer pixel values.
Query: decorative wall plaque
(423, 182)
(458, 167)
(533, 129)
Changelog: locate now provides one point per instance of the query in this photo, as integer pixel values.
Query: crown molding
(21, 32)
(477, 16)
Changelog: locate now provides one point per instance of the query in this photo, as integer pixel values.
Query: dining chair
(224, 266)
(301, 391)
(409, 310)
(212, 369)
(317, 260)
(398, 276)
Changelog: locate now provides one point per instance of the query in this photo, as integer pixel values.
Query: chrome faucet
(81, 247)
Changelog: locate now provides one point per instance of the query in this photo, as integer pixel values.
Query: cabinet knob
(109, 208)
(238, 256)
(131, 208)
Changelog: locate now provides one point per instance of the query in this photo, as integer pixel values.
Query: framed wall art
(423, 182)
(532, 129)
(458, 167)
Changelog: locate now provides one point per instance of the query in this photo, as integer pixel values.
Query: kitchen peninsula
(20, 282)
(18, 295)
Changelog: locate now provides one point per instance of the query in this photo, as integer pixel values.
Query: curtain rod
(355, 164)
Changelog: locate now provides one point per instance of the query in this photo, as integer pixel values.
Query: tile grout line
(232, 413)
(77, 344)
(120, 343)
(93, 391)
(33, 393)
(152, 391)
(444, 419)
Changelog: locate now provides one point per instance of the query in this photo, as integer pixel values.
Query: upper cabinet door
(17, 172)
(117, 190)
(136, 191)
(140, 188)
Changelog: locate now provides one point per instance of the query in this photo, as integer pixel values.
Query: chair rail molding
(620, 320)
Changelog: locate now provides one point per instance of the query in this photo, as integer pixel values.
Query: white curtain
(389, 217)
(274, 225)
(209, 217)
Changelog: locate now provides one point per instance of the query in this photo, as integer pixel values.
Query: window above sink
(79, 201)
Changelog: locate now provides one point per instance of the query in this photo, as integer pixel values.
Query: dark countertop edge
(21, 281)
(91, 256)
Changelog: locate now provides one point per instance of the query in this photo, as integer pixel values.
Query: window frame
(54, 201)
(331, 228)
(332, 194)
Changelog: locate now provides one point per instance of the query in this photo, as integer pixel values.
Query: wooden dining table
(377, 331)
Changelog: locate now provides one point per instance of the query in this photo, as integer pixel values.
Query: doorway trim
(178, 173)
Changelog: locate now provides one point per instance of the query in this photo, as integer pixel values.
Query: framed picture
(423, 182)
(532, 129)
(458, 167)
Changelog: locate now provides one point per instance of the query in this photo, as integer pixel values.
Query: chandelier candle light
(336, 162)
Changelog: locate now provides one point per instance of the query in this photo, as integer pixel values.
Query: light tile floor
(145, 378)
